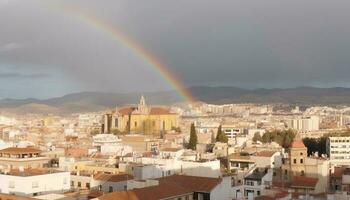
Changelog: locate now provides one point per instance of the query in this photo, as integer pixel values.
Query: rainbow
(136, 48)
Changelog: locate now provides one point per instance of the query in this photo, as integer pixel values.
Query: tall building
(338, 150)
(140, 119)
(299, 165)
(305, 124)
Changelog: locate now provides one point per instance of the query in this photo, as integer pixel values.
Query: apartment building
(15, 157)
(33, 182)
(305, 123)
(338, 150)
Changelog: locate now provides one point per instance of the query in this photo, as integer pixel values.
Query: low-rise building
(33, 182)
(179, 187)
(15, 157)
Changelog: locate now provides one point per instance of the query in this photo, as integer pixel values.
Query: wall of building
(40, 184)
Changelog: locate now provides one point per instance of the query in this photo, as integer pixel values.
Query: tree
(94, 132)
(176, 129)
(316, 145)
(257, 137)
(193, 138)
(220, 136)
(266, 137)
(116, 132)
(283, 138)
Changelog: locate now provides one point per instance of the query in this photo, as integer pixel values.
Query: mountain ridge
(95, 101)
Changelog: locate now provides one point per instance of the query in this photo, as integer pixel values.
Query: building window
(301, 161)
(302, 172)
(79, 184)
(135, 123)
(301, 153)
(153, 123)
(87, 185)
(295, 161)
(258, 193)
(35, 184)
(110, 189)
(116, 122)
(72, 183)
(11, 184)
(232, 181)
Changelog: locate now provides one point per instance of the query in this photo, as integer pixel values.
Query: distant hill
(96, 101)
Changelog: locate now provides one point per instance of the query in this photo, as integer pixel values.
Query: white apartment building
(33, 182)
(338, 150)
(232, 132)
(145, 168)
(305, 123)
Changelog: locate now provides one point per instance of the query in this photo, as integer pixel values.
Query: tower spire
(142, 105)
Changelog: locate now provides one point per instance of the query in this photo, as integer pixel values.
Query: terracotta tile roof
(14, 197)
(162, 191)
(95, 194)
(17, 150)
(124, 195)
(31, 172)
(265, 153)
(280, 184)
(303, 182)
(126, 110)
(76, 152)
(195, 183)
(160, 111)
(264, 197)
(113, 177)
(171, 186)
(171, 149)
(297, 144)
(148, 154)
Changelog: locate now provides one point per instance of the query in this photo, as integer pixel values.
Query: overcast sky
(47, 52)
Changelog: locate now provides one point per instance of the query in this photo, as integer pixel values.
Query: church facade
(141, 119)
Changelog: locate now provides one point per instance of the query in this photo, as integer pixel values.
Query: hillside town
(193, 151)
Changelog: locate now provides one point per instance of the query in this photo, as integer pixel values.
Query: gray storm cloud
(233, 42)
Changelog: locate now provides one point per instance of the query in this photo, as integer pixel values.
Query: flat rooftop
(29, 172)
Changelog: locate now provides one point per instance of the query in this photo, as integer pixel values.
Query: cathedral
(140, 119)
